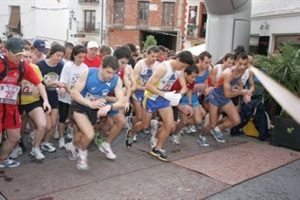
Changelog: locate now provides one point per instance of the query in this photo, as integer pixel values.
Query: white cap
(92, 44)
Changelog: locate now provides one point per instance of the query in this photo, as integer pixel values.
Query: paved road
(194, 173)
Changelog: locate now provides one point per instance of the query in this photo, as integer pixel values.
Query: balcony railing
(85, 27)
(88, 1)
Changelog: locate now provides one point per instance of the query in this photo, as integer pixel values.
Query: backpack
(4, 73)
(246, 112)
(261, 121)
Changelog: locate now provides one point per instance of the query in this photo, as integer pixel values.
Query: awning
(14, 19)
(196, 50)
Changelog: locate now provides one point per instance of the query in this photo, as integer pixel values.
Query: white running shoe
(46, 146)
(192, 128)
(106, 149)
(9, 163)
(186, 130)
(82, 160)
(175, 139)
(71, 150)
(36, 152)
(202, 141)
(218, 136)
(16, 152)
(61, 142)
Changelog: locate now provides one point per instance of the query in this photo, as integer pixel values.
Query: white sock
(217, 129)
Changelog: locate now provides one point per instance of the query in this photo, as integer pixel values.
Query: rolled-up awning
(196, 50)
(14, 19)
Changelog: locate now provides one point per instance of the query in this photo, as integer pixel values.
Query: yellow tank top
(27, 88)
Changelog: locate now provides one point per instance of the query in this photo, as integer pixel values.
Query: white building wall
(283, 16)
(49, 19)
(45, 19)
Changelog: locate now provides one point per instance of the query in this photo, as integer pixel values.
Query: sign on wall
(192, 14)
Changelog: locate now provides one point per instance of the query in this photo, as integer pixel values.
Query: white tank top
(165, 82)
(219, 72)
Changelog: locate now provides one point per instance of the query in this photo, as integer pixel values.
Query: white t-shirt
(69, 75)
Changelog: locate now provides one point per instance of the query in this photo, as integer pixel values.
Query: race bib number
(167, 86)
(9, 93)
(27, 88)
(92, 97)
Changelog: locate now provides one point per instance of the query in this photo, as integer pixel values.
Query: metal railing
(85, 27)
(88, 1)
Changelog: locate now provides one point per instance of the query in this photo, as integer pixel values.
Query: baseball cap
(92, 44)
(40, 45)
(15, 46)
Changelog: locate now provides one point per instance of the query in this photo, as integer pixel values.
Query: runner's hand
(47, 107)
(97, 104)
(103, 111)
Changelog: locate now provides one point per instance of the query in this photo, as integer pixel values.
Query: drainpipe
(228, 25)
(102, 20)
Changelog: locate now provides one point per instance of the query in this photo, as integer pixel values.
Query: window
(202, 20)
(143, 12)
(168, 14)
(14, 24)
(119, 10)
(89, 20)
(14, 19)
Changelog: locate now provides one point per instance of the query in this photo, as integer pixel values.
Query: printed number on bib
(9, 93)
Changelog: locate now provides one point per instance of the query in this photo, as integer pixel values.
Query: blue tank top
(96, 89)
(203, 78)
(220, 89)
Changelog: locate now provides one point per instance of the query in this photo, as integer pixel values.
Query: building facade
(272, 23)
(176, 24)
(131, 21)
(75, 21)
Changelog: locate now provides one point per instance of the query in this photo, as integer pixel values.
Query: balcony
(88, 1)
(85, 27)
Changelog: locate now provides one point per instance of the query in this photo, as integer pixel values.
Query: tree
(150, 40)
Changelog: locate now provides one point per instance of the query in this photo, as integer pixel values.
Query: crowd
(94, 91)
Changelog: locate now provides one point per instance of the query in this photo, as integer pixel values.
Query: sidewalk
(241, 168)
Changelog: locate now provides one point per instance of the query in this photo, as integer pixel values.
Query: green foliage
(150, 40)
(283, 67)
(191, 28)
